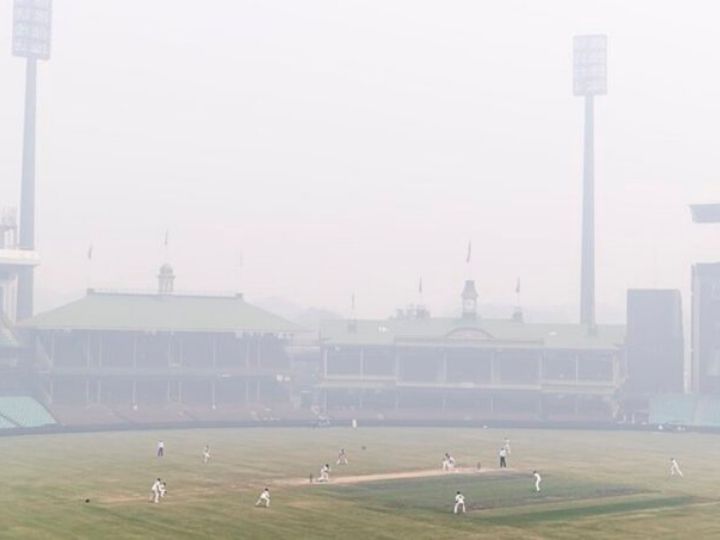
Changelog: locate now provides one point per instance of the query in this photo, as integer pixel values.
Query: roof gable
(160, 312)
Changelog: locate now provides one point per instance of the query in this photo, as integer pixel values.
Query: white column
(134, 357)
(214, 356)
(443, 370)
(577, 367)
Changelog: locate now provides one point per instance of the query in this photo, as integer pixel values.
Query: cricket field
(596, 484)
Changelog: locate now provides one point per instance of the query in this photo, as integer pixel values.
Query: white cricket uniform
(264, 499)
(206, 455)
(503, 457)
(459, 503)
(675, 468)
(155, 492)
(538, 479)
(451, 463)
(324, 474)
(342, 459)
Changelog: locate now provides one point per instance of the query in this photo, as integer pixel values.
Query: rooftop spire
(469, 300)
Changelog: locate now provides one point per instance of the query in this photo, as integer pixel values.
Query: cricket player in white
(342, 457)
(160, 449)
(206, 453)
(503, 457)
(675, 468)
(459, 503)
(448, 463)
(506, 445)
(538, 479)
(163, 489)
(324, 473)
(155, 491)
(264, 499)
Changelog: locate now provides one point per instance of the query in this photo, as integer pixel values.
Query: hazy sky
(306, 150)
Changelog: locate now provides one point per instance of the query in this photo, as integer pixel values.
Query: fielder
(538, 479)
(155, 491)
(160, 449)
(342, 458)
(675, 468)
(206, 453)
(459, 503)
(264, 499)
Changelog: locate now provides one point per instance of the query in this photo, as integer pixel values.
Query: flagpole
(88, 277)
(468, 260)
(239, 272)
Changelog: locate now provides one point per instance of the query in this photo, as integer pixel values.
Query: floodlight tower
(590, 80)
(31, 40)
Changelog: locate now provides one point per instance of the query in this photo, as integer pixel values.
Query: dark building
(706, 328)
(654, 346)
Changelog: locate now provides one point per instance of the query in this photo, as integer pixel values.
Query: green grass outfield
(595, 485)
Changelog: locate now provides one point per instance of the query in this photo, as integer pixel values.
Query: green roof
(492, 333)
(160, 312)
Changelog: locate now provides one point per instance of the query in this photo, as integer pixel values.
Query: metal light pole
(589, 80)
(31, 40)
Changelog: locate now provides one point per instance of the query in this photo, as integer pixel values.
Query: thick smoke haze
(309, 150)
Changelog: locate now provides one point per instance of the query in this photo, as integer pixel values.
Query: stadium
(163, 413)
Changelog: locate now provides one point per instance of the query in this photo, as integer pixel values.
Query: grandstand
(166, 358)
(115, 357)
(470, 368)
(691, 410)
(23, 412)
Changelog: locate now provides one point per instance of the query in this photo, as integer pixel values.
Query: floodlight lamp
(31, 28)
(590, 65)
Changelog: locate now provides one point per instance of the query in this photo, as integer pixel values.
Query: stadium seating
(24, 411)
(685, 410)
